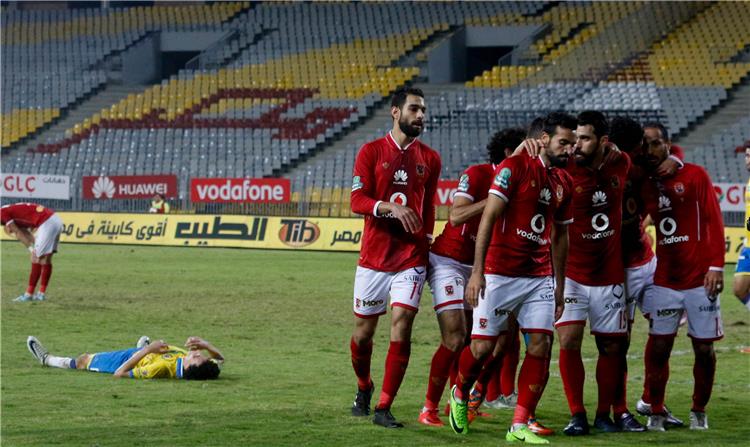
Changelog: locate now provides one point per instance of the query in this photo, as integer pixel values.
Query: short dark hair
(554, 119)
(660, 126)
(626, 133)
(508, 138)
(399, 97)
(536, 127)
(208, 370)
(595, 119)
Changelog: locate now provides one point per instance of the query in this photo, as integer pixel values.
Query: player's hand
(667, 168)
(531, 146)
(34, 258)
(194, 343)
(559, 302)
(408, 218)
(613, 153)
(157, 347)
(713, 282)
(475, 289)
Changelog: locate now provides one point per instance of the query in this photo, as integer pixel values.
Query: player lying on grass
(147, 360)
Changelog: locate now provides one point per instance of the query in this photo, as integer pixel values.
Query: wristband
(31, 248)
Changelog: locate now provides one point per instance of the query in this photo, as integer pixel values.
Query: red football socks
(46, 275)
(509, 367)
(490, 369)
(530, 387)
(608, 379)
(573, 375)
(36, 271)
(703, 374)
(440, 367)
(468, 371)
(361, 356)
(395, 367)
(657, 378)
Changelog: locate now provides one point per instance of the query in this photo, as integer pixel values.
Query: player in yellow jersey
(147, 360)
(741, 284)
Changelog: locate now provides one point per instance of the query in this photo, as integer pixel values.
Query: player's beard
(409, 130)
(558, 161)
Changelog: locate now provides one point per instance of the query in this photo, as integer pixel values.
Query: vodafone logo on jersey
(128, 186)
(240, 190)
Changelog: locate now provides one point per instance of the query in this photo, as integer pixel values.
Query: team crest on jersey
(679, 188)
(39, 209)
(579, 189)
(420, 170)
(545, 196)
(449, 290)
(386, 164)
(533, 183)
(503, 178)
(559, 192)
(615, 182)
(463, 183)
(483, 323)
(356, 183)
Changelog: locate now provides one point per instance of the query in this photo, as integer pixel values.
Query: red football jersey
(595, 253)
(384, 172)
(689, 227)
(636, 243)
(25, 215)
(535, 195)
(459, 242)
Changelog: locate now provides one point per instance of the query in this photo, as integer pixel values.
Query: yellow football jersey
(166, 365)
(747, 213)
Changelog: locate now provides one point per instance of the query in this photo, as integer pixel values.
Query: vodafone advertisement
(731, 196)
(445, 191)
(240, 190)
(36, 186)
(129, 186)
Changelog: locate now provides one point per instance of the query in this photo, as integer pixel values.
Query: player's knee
(570, 339)
(82, 361)
(455, 340)
(480, 347)
(741, 288)
(661, 348)
(703, 350)
(610, 346)
(539, 345)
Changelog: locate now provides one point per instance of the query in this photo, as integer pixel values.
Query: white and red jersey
(689, 227)
(25, 215)
(636, 243)
(595, 253)
(385, 172)
(535, 195)
(458, 242)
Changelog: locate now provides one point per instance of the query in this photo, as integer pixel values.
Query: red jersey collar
(393, 140)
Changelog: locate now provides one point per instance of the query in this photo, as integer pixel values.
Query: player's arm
(463, 209)
(199, 343)
(560, 243)
(152, 348)
(492, 211)
(22, 234)
(714, 279)
(430, 191)
(672, 163)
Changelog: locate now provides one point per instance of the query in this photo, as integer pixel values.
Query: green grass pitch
(283, 320)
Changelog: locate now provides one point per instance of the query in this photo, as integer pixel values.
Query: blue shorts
(109, 362)
(743, 262)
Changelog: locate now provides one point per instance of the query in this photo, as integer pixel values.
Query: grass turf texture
(283, 320)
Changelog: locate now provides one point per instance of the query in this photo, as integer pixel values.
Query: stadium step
(723, 115)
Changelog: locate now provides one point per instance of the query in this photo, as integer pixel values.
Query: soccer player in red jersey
(451, 256)
(394, 186)
(22, 221)
(513, 254)
(594, 283)
(638, 257)
(689, 275)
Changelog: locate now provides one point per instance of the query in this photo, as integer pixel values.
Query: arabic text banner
(321, 234)
(33, 186)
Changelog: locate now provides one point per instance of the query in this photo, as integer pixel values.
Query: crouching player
(147, 360)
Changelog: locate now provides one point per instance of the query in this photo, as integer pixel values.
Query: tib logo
(298, 232)
(599, 198)
(545, 196)
(400, 177)
(103, 186)
(664, 203)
